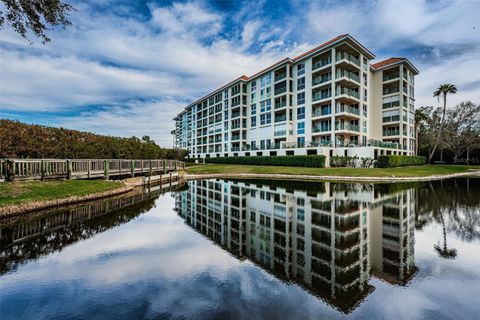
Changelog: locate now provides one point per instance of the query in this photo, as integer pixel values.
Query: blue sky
(127, 67)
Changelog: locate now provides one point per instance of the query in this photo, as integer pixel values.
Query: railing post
(150, 168)
(106, 169)
(42, 168)
(69, 169)
(164, 166)
(10, 170)
(89, 168)
(132, 168)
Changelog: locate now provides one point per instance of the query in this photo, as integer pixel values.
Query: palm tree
(442, 91)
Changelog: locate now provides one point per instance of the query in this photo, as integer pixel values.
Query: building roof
(393, 61)
(320, 46)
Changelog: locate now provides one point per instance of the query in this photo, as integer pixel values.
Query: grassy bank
(23, 192)
(420, 171)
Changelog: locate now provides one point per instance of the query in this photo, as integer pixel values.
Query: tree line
(21, 140)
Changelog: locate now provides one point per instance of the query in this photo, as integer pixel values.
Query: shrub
(352, 162)
(400, 161)
(317, 161)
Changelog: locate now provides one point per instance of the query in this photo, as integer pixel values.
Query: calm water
(252, 249)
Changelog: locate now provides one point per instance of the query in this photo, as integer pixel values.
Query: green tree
(442, 92)
(35, 16)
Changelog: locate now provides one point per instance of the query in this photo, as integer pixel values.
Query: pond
(250, 249)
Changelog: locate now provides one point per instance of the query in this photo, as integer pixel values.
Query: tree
(462, 128)
(421, 115)
(35, 16)
(442, 92)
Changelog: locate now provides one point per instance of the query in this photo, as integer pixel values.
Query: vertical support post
(42, 168)
(164, 166)
(89, 164)
(150, 169)
(132, 168)
(175, 165)
(106, 169)
(10, 170)
(69, 169)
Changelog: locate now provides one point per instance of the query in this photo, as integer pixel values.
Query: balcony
(389, 133)
(280, 133)
(321, 63)
(281, 104)
(383, 144)
(348, 92)
(348, 57)
(280, 90)
(235, 138)
(392, 104)
(322, 129)
(321, 95)
(280, 76)
(235, 115)
(235, 148)
(391, 119)
(347, 127)
(236, 126)
(347, 74)
(321, 112)
(322, 79)
(390, 90)
(387, 77)
(343, 108)
(281, 118)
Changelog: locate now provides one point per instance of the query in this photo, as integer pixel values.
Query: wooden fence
(41, 169)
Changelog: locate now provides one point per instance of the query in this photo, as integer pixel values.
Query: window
(365, 113)
(253, 86)
(253, 121)
(265, 118)
(300, 83)
(301, 98)
(301, 69)
(266, 80)
(301, 113)
(265, 93)
(225, 124)
(265, 105)
(301, 128)
(225, 136)
(364, 79)
(364, 94)
(253, 96)
(301, 142)
(300, 214)
(253, 109)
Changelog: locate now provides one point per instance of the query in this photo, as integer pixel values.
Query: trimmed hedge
(317, 161)
(400, 161)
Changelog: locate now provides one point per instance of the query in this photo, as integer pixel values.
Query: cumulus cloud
(127, 69)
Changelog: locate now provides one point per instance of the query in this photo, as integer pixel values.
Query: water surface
(250, 249)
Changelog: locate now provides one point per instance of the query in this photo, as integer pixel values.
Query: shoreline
(301, 177)
(27, 207)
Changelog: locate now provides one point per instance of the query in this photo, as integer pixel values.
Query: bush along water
(317, 161)
(392, 161)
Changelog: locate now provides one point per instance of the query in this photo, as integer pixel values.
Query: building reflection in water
(329, 238)
(25, 238)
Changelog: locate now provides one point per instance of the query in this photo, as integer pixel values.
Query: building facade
(330, 100)
(330, 238)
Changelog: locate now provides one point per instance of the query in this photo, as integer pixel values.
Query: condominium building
(330, 238)
(331, 100)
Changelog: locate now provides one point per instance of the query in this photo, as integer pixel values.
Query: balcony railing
(346, 108)
(347, 126)
(383, 144)
(235, 138)
(321, 63)
(280, 90)
(322, 79)
(322, 129)
(235, 126)
(235, 114)
(281, 118)
(348, 92)
(280, 76)
(391, 90)
(348, 74)
(392, 104)
(388, 133)
(321, 95)
(391, 119)
(279, 105)
(321, 112)
(348, 57)
(280, 133)
(391, 76)
(235, 148)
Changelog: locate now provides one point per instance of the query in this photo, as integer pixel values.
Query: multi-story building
(329, 238)
(330, 100)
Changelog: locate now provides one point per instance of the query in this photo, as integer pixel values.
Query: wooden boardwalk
(42, 169)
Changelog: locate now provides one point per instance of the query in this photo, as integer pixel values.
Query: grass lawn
(21, 192)
(419, 171)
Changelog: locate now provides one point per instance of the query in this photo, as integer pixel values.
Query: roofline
(408, 62)
(276, 64)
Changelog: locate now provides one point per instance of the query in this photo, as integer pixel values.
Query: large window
(301, 98)
(300, 113)
(300, 84)
(265, 105)
(265, 93)
(301, 69)
(253, 121)
(301, 128)
(266, 80)
(265, 118)
(253, 109)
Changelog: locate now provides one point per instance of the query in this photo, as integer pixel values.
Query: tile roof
(386, 62)
(320, 46)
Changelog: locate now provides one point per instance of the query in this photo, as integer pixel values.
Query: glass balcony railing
(235, 126)
(321, 112)
(349, 57)
(348, 74)
(391, 119)
(322, 79)
(347, 126)
(388, 133)
(391, 76)
(383, 144)
(339, 108)
(348, 92)
(391, 90)
(321, 63)
(321, 95)
(235, 138)
(235, 115)
(281, 118)
(279, 105)
(322, 129)
(392, 104)
(235, 148)
(280, 133)
(280, 90)
(280, 76)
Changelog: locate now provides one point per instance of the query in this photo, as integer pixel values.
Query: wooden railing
(41, 169)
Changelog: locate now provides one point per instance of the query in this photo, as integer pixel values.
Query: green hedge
(400, 161)
(293, 161)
